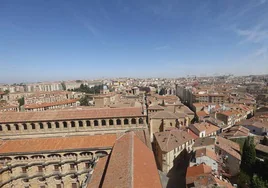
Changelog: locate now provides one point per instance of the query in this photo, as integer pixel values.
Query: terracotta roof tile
(169, 140)
(98, 173)
(33, 145)
(206, 152)
(7, 117)
(131, 164)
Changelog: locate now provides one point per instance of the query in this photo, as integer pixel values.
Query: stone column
(53, 126)
(137, 122)
(107, 122)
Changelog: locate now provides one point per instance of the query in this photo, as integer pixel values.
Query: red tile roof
(131, 164)
(96, 178)
(206, 152)
(42, 105)
(33, 145)
(169, 140)
(198, 170)
(6, 117)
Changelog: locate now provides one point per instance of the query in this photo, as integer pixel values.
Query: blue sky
(42, 40)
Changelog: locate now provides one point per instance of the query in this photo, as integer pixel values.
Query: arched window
(103, 122)
(96, 123)
(17, 127)
(72, 123)
(133, 121)
(57, 124)
(111, 122)
(140, 121)
(24, 126)
(88, 123)
(118, 122)
(49, 125)
(8, 127)
(126, 121)
(41, 125)
(80, 123)
(33, 125)
(1, 129)
(65, 124)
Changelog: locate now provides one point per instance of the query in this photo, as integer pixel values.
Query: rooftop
(169, 140)
(51, 144)
(131, 164)
(7, 117)
(206, 152)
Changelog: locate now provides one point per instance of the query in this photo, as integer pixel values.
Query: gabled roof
(168, 115)
(169, 140)
(198, 170)
(228, 146)
(204, 126)
(131, 164)
(235, 131)
(206, 152)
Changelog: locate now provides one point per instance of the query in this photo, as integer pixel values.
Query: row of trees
(253, 172)
(85, 89)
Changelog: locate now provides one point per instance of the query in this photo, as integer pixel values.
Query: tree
(63, 86)
(243, 180)
(248, 156)
(84, 101)
(257, 182)
(21, 101)
(162, 91)
(6, 91)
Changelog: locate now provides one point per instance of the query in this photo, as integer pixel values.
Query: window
(65, 124)
(73, 124)
(1, 129)
(40, 169)
(17, 127)
(8, 127)
(33, 126)
(80, 124)
(103, 122)
(56, 167)
(49, 125)
(41, 126)
(24, 169)
(87, 165)
(57, 125)
(96, 123)
(72, 166)
(111, 122)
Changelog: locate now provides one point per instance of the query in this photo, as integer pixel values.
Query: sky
(46, 40)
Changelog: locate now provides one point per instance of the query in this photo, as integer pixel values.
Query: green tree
(258, 182)
(243, 180)
(21, 101)
(84, 101)
(248, 156)
(6, 91)
(63, 86)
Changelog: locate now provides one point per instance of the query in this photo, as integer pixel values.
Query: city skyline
(68, 40)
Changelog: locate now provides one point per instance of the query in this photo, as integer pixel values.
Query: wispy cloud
(255, 35)
(164, 47)
(262, 52)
